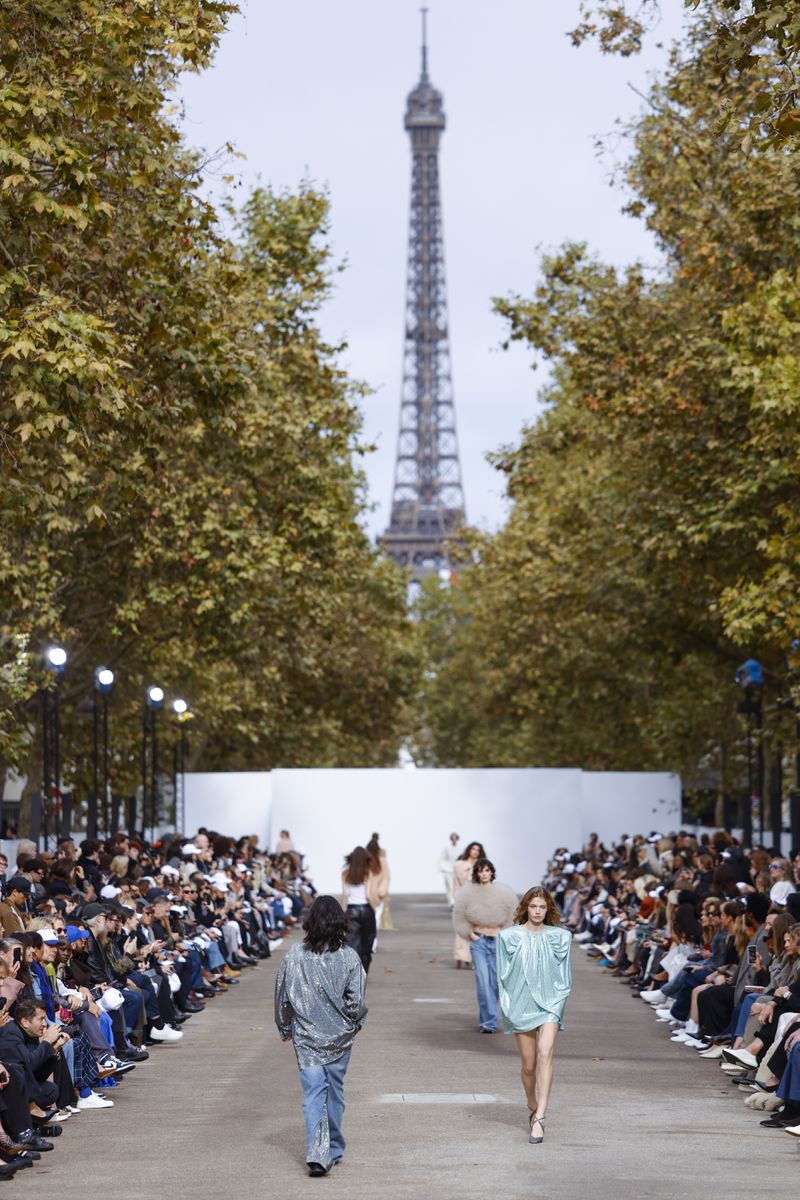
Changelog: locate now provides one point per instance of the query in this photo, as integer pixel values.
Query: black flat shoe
(23, 1158)
(45, 1119)
(19, 1161)
(316, 1170)
(7, 1171)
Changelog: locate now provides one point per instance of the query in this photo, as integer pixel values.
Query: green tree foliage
(745, 34)
(180, 499)
(653, 539)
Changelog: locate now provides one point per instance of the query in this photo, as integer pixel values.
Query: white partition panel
(616, 802)
(519, 815)
(236, 803)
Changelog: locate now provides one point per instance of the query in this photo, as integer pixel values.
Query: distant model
(383, 915)
(462, 873)
(319, 1006)
(535, 978)
(363, 884)
(447, 860)
(482, 909)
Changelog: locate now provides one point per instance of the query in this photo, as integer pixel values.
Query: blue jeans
(323, 1109)
(484, 963)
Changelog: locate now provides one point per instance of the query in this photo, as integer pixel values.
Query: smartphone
(752, 951)
(2, 1003)
(16, 954)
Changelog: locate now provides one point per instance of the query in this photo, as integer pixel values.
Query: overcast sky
(317, 89)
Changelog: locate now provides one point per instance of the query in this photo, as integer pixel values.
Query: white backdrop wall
(519, 815)
(237, 803)
(615, 802)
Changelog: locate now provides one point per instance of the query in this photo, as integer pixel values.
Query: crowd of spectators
(707, 934)
(107, 949)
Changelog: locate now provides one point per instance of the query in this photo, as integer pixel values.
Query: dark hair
(25, 1009)
(359, 865)
(373, 847)
(465, 855)
(479, 865)
(685, 924)
(326, 925)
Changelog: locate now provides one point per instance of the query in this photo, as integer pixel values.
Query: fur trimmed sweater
(492, 905)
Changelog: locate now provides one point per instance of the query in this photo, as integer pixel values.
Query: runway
(435, 1109)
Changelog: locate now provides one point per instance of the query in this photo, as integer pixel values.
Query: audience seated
(107, 950)
(708, 934)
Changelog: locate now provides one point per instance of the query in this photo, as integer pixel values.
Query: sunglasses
(776, 866)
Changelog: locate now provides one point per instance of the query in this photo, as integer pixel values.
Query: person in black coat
(31, 1046)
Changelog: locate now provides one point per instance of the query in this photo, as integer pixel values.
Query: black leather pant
(363, 931)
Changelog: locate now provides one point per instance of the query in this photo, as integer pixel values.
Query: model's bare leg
(544, 1071)
(526, 1044)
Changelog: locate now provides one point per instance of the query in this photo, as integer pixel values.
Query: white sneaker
(680, 1036)
(712, 1052)
(664, 1012)
(70, 1108)
(583, 937)
(165, 1035)
(656, 997)
(94, 1101)
(694, 1042)
(744, 1057)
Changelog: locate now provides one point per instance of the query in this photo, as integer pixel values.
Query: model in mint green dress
(534, 976)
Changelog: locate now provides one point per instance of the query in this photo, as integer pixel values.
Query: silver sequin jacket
(319, 1001)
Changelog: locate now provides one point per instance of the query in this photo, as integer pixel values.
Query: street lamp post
(155, 701)
(750, 677)
(183, 716)
(103, 686)
(55, 658)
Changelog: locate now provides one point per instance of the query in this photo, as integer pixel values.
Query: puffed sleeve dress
(534, 976)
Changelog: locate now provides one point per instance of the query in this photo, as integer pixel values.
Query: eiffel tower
(428, 500)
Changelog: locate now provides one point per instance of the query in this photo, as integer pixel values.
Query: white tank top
(357, 893)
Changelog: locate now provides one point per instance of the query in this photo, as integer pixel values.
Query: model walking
(383, 914)
(462, 873)
(535, 978)
(362, 892)
(319, 1006)
(482, 909)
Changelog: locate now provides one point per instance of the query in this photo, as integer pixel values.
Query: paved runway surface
(435, 1109)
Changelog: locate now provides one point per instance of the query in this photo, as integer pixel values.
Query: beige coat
(12, 920)
(462, 873)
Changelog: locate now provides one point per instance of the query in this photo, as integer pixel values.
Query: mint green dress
(534, 976)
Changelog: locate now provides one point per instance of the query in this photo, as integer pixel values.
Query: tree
(603, 625)
(745, 34)
(182, 501)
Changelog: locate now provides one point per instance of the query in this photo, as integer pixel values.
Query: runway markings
(441, 1098)
(431, 1000)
